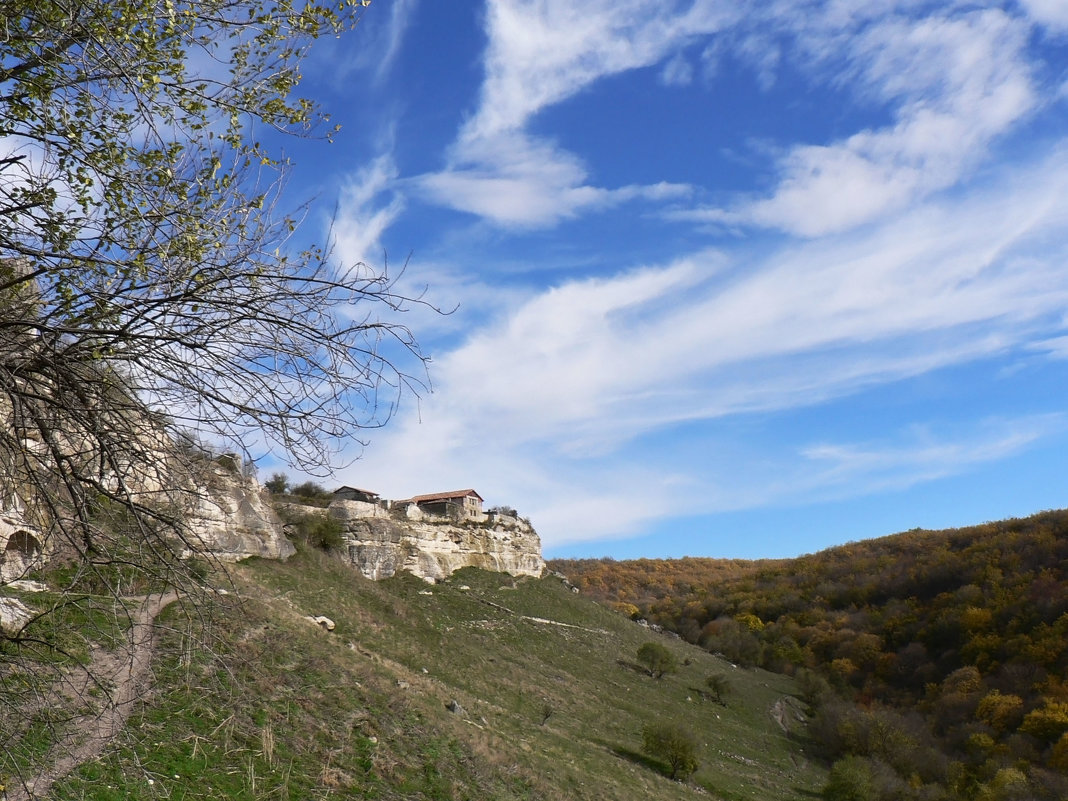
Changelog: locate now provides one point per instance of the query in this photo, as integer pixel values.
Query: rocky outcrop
(380, 546)
(14, 614)
(230, 519)
(225, 514)
(22, 547)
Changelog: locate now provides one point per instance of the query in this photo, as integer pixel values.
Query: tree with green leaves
(719, 687)
(277, 484)
(657, 659)
(152, 286)
(674, 745)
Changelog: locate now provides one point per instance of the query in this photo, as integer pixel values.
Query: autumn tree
(151, 284)
(1048, 722)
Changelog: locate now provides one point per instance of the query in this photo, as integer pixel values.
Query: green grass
(262, 704)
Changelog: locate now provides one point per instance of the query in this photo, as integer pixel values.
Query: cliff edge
(380, 543)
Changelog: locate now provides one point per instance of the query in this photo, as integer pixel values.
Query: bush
(850, 780)
(311, 490)
(657, 659)
(674, 745)
(277, 483)
(719, 687)
(318, 530)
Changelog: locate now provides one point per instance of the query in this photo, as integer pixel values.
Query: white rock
(26, 585)
(381, 547)
(232, 521)
(14, 614)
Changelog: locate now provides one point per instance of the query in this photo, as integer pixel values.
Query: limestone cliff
(21, 546)
(380, 545)
(230, 520)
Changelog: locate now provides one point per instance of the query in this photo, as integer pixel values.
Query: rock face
(379, 545)
(231, 520)
(14, 614)
(22, 547)
(225, 512)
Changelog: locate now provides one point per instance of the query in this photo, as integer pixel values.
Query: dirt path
(108, 687)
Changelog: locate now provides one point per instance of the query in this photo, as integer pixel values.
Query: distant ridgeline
(955, 640)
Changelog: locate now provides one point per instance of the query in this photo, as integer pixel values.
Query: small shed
(356, 494)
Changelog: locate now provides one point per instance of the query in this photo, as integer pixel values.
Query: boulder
(14, 614)
(323, 622)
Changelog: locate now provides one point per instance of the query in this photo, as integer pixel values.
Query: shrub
(277, 483)
(310, 489)
(657, 659)
(319, 530)
(674, 745)
(850, 780)
(719, 687)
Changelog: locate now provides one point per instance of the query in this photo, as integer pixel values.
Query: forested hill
(965, 631)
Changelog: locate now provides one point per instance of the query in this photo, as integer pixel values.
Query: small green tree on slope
(657, 659)
(674, 745)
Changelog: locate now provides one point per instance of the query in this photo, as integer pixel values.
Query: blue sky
(732, 279)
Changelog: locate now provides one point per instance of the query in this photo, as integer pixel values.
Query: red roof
(445, 496)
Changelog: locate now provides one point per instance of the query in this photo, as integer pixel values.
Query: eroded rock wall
(380, 546)
(230, 519)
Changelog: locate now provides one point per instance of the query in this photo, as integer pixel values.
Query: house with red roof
(458, 504)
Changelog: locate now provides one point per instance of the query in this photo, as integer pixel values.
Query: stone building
(356, 494)
(465, 504)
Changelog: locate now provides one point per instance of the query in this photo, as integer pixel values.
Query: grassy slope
(271, 707)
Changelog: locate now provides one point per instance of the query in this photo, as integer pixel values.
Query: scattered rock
(323, 621)
(454, 707)
(14, 614)
(26, 585)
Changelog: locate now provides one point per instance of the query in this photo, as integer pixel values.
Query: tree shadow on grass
(639, 758)
(623, 663)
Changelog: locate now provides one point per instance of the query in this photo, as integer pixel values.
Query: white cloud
(923, 455)
(1054, 347)
(677, 71)
(1053, 13)
(518, 181)
(540, 53)
(542, 407)
(956, 83)
(380, 38)
(363, 215)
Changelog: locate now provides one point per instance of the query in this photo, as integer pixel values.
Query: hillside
(251, 700)
(956, 640)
